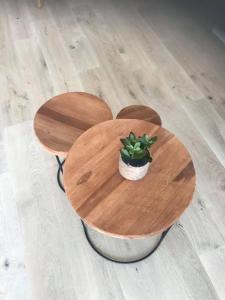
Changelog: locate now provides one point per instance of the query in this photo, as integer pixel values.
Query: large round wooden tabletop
(122, 208)
(62, 119)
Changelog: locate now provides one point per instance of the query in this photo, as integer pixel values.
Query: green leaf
(144, 139)
(125, 141)
(153, 140)
(132, 137)
(137, 145)
(130, 147)
(125, 152)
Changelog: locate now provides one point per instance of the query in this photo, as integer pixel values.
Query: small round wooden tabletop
(140, 112)
(60, 121)
(123, 208)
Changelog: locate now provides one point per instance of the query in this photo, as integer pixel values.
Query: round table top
(122, 208)
(140, 112)
(60, 121)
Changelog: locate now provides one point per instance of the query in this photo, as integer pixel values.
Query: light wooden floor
(149, 52)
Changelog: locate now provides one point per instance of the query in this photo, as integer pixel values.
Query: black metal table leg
(119, 261)
(60, 170)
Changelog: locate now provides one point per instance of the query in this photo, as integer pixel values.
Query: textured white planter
(130, 172)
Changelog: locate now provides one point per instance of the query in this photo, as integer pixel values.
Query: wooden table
(63, 118)
(140, 112)
(118, 207)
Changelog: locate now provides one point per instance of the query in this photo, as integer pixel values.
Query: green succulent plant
(137, 148)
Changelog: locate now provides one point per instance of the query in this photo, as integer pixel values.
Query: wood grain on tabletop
(62, 119)
(140, 112)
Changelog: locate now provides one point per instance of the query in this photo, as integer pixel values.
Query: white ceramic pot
(130, 172)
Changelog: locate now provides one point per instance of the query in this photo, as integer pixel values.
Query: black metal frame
(60, 170)
(123, 261)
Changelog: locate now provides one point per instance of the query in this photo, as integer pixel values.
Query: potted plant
(135, 157)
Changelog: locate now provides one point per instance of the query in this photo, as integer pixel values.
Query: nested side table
(63, 118)
(140, 112)
(125, 209)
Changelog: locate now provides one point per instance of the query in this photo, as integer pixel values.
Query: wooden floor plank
(184, 43)
(209, 124)
(214, 265)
